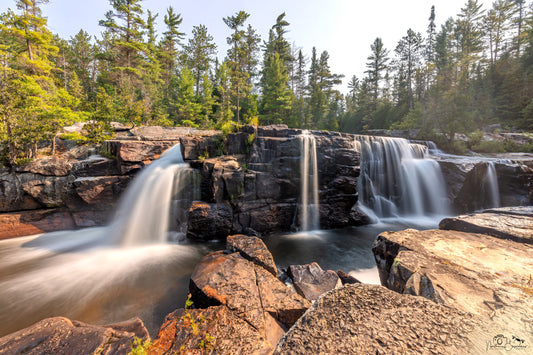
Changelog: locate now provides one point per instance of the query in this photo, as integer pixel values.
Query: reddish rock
(64, 336)
(253, 249)
(18, 224)
(311, 281)
(207, 331)
(247, 289)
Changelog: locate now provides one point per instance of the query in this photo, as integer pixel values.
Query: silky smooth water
(107, 274)
(309, 207)
(398, 179)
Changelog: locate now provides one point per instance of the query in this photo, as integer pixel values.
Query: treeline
(475, 70)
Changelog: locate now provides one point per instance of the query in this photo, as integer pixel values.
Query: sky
(345, 28)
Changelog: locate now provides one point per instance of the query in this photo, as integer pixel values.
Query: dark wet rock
(101, 190)
(515, 182)
(368, 319)
(252, 249)
(95, 166)
(475, 273)
(212, 330)
(510, 224)
(310, 281)
(247, 289)
(347, 278)
(47, 191)
(209, 221)
(194, 147)
(64, 336)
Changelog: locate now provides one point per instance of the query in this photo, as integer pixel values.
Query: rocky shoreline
(250, 181)
(444, 291)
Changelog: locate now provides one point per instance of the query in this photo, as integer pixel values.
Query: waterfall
(144, 212)
(398, 179)
(490, 186)
(309, 210)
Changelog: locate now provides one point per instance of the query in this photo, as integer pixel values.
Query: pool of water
(76, 275)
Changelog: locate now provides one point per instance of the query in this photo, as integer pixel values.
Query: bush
(489, 147)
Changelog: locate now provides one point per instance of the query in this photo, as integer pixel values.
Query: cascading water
(107, 274)
(144, 213)
(309, 210)
(490, 187)
(398, 180)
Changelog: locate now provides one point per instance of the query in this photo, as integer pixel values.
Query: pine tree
(377, 65)
(33, 107)
(187, 107)
(277, 97)
(409, 53)
(199, 54)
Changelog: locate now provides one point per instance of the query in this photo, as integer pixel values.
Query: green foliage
(489, 147)
(207, 343)
(140, 346)
(188, 302)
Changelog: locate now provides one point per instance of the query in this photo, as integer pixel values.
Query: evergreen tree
(237, 60)
(409, 54)
(377, 65)
(277, 97)
(199, 54)
(33, 107)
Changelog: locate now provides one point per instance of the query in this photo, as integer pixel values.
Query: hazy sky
(345, 28)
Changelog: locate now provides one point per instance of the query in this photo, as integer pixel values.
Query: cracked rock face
(480, 274)
(60, 335)
(368, 319)
(515, 223)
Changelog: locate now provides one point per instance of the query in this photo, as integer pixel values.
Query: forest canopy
(474, 70)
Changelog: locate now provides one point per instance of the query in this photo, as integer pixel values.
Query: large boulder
(513, 223)
(206, 331)
(252, 249)
(50, 166)
(368, 319)
(248, 290)
(209, 221)
(473, 273)
(310, 281)
(64, 336)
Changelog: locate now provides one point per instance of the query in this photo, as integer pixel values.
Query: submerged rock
(310, 281)
(60, 335)
(473, 273)
(368, 319)
(514, 223)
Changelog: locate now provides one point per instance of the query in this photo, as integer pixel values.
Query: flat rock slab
(474, 273)
(369, 319)
(252, 249)
(517, 210)
(64, 336)
(205, 331)
(515, 224)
